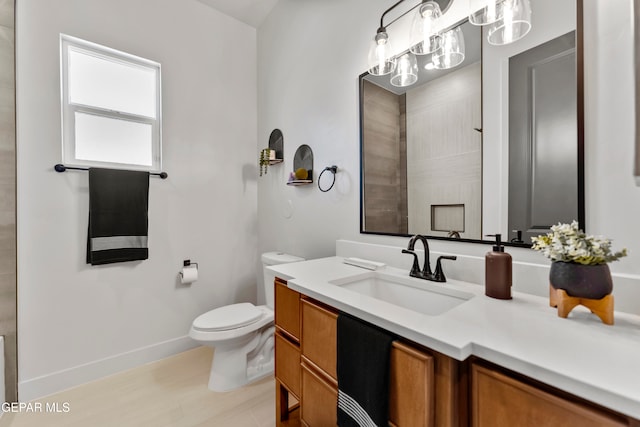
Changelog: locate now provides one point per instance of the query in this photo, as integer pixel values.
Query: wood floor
(171, 392)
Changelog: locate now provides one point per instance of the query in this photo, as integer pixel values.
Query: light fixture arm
(382, 27)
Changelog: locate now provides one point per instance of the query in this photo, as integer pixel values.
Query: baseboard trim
(36, 388)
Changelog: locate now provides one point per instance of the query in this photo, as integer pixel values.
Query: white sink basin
(414, 294)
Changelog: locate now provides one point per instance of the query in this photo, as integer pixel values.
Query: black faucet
(426, 273)
(426, 268)
(438, 276)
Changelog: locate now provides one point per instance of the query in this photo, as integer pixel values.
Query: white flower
(567, 243)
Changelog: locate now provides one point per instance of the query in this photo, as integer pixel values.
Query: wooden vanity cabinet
(287, 354)
(319, 400)
(287, 310)
(319, 337)
(319, 403)
(411, 387)
(500, 398)
(287, 369)
(423, 384)
(427, 388)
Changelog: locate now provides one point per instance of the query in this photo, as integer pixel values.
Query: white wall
(612, 199)
(310, 55)
(78, 322)
(308, 88)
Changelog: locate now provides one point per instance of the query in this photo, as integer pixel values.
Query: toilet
(242, 335)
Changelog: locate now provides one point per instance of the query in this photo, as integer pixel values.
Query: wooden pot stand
(603, 308)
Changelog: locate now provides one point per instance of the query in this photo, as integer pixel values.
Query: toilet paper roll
(189, 274)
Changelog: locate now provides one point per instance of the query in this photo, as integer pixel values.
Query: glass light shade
(406, 72)
(452, 52)
(485, 12)
(424, 31)
(381, 61)
(515, 23)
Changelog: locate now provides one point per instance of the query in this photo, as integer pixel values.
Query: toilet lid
(228, 317)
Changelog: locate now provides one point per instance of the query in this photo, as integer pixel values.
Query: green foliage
(263, 162)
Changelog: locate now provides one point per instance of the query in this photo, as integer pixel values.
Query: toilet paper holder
(187, 263)
(189, 272)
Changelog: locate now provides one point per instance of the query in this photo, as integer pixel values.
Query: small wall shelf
(302, 159)
(275, 149)
(276, 143)
(298, 182)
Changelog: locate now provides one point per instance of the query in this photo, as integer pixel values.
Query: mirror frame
(580, 135)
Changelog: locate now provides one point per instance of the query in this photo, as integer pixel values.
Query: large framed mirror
(493, 145)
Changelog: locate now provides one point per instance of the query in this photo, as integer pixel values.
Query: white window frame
(69, 109)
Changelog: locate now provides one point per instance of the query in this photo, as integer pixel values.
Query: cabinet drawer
(288, 364)
(287, 310)
(319, 404)
(500, 400)
(411, 387)
(319, 336)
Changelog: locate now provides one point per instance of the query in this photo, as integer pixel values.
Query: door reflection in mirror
(543, 137)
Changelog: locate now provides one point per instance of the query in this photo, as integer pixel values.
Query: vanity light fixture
(452, 52)
(424, 34)
(508, 20)
(380, 60)
(485, 12)
(425, 39)
(515, 24)
(406, 72)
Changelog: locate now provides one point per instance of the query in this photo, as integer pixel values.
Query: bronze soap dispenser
(497, 278)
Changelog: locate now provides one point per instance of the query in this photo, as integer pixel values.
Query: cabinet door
(319, 337)
(319, 404)
(288, 364)
(499, 400)
(411, 389)
(287, 310)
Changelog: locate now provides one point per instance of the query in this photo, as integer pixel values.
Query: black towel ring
(333, 169)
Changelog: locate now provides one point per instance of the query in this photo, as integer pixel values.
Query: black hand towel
(118, 220)
(363, 373)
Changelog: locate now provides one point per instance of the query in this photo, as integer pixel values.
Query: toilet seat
(228, 317)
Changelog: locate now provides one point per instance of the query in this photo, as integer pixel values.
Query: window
(111, 107)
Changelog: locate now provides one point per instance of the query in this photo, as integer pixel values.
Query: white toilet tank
(274, 258)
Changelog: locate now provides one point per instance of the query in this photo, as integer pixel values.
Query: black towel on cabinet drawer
(363, 361)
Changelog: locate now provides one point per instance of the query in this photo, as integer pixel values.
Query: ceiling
(251, 12)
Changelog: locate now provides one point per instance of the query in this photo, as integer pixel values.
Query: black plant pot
(582, 281)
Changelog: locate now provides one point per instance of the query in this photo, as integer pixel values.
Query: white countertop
(580, 355)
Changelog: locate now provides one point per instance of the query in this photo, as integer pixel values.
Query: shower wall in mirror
(444, 152)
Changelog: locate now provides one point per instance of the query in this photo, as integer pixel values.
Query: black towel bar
(61, 168)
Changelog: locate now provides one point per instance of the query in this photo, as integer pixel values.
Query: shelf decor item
(579, 272)
(263, 161)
